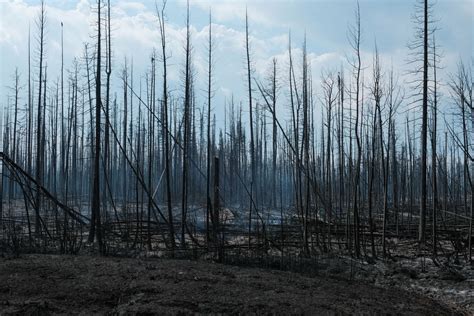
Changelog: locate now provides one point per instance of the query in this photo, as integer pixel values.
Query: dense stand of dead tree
(148, 169)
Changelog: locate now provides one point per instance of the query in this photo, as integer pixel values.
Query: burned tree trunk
(95, 227)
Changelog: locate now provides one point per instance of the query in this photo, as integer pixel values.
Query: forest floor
(53, 284)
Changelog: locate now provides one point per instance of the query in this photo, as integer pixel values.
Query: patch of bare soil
(47, 284)
(448, 283)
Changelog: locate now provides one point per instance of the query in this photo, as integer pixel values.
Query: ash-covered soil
(50, 284)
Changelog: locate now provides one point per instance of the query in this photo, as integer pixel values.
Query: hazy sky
(135, 34)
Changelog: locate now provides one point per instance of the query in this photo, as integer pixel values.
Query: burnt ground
(51, 284)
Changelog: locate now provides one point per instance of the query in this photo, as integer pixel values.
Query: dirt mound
(43, 284)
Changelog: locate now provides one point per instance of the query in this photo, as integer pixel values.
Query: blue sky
(325, 22)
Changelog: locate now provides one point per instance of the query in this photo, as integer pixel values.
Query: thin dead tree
(274, 131)
(108, 72)
(424, 127)
(252, 145)
(355, 41)
(41, 24)
(330, 98)
(434, 162)
(187, 127)
(419, 54)
(95, 226)
(306, 146)
(165, 119)
(209, 208)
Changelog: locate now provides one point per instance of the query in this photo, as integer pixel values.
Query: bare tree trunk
(330, 97)
(96, 229)
(305, 141)
(209, 204)
(424, 129)
(124, 131)
(372, 162)
(29, 149)
(108, 71)
(355, 42)
(166, 138)
(340, 138)
(252, 146)
(39, 151)
(433, 151)
(151, 147)
(274, 133)
(215, 216)
(15, 115)
(187, 105)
